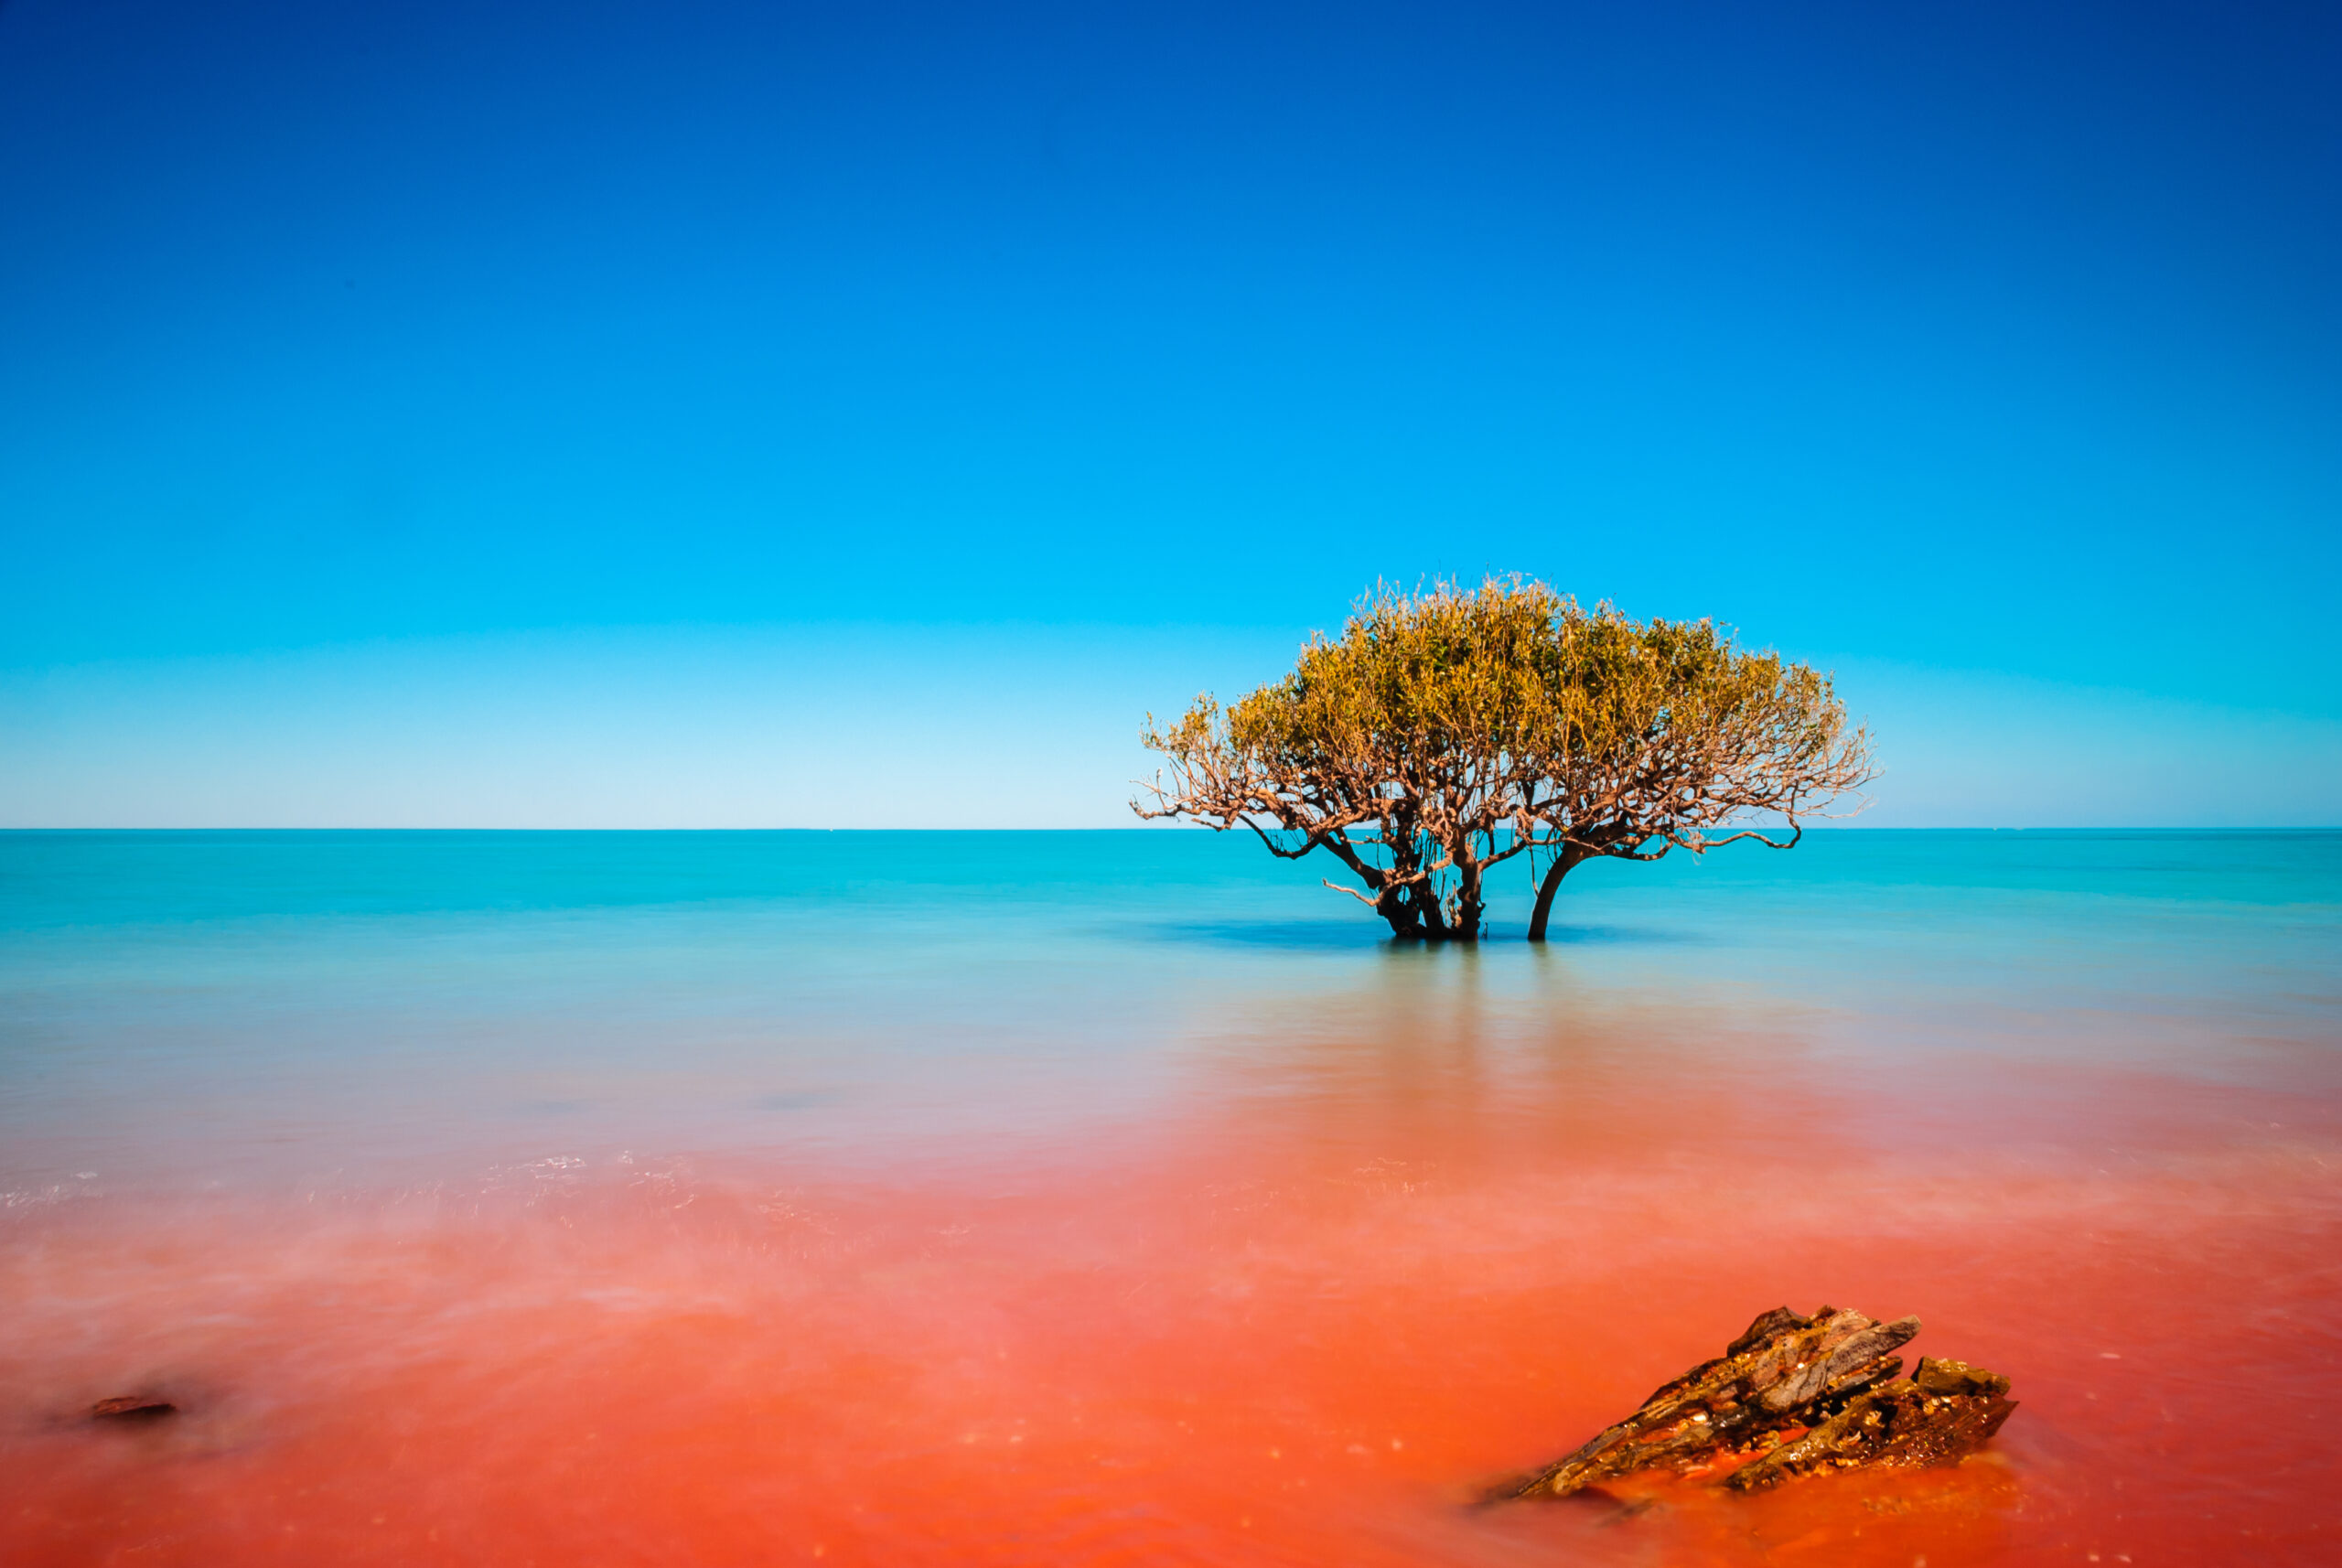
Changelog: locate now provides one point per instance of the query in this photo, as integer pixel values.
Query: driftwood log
(1790, 1396)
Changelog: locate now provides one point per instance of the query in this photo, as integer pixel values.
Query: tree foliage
(1447, 731)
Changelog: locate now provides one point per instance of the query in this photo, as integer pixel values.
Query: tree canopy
(1449, 730)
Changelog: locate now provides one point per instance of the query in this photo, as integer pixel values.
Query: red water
(1295, 1320)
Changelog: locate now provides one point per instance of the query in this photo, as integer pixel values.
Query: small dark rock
(132, 1407)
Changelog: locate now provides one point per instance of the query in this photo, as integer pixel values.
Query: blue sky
(433, 412)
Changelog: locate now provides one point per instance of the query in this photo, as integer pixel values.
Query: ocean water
(1123, 1197)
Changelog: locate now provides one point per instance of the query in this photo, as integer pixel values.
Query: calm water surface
(1086, 1198)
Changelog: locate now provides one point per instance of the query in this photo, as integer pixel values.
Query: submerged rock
(1790, 1396)
(132, 1407)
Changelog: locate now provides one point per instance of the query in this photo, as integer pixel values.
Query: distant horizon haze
(952, 727)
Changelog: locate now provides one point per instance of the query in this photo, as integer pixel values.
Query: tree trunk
(1412, 909)
(1571, 855)
(1396, 903)
(1468, 903)
(1431, 918)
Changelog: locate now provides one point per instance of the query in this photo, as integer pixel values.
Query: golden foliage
(1448, 730)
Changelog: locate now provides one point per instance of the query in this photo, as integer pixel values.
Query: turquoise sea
(1079, 1097)
(267, 1005)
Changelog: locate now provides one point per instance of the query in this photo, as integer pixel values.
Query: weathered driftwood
(1792, 1395)
(1939, 1415)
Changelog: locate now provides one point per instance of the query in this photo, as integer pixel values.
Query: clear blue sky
(356, 360)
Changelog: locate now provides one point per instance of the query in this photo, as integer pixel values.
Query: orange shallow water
(1297, 1321)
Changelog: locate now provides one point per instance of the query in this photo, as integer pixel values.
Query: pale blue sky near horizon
(727, 415)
